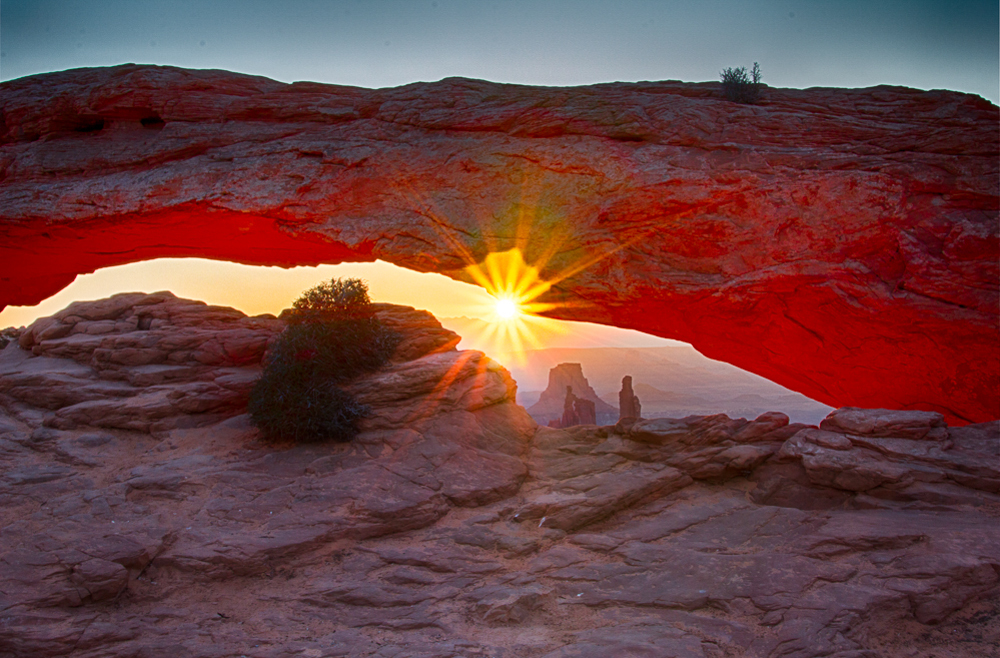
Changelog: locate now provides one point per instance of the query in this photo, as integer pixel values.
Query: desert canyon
(843, 243)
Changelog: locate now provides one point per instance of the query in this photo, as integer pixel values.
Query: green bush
(741, 87)
(332, 337)
(287, 403)
(335, 350)
(340, 299)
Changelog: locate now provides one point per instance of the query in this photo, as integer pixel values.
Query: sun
(514, 324)
(507, 308)
(513, 284)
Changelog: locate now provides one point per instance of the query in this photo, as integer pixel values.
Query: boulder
(137, 361)
(892, 457)
(887, 423)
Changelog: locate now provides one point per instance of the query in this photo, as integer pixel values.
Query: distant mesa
(581, 411)
(554, 400)
(672, 382)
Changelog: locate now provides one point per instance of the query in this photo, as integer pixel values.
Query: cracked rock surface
(453, 526)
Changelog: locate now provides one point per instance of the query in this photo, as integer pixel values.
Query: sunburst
(531, 221)
(515, 286)
(508, 308)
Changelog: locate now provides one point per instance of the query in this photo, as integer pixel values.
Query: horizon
(256, 290)
(984, 94)
(386, 43)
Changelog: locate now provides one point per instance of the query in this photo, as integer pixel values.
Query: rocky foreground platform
(141, 516)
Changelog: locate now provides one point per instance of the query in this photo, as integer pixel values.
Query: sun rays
(518, 242)
(515, 325)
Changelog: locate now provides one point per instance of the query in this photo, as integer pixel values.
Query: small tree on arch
(740, 86)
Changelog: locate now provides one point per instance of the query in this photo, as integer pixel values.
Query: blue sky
(379, 43)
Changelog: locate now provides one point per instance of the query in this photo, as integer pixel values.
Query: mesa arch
(841, 242)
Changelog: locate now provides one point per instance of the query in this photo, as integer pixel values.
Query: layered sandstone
(136, 361)
(841, 242)
(453, 526)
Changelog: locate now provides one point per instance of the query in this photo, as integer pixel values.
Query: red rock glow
(843, 243)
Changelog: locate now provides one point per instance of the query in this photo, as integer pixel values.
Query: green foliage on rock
(333, 301)
(287, 404)
(332, 337)
(740, 86)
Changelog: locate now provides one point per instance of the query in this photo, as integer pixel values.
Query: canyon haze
(671, 379)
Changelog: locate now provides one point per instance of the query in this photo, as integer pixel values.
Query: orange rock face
(843, 243)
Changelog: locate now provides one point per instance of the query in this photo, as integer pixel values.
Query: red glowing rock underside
(841, 242)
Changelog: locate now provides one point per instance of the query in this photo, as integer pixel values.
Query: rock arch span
(843, 243)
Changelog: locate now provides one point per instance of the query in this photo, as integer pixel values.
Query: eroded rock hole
(89, 124)
(153, 122)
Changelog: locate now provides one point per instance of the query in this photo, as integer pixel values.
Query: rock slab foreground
(135, 522)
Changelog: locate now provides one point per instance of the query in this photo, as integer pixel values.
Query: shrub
(741, 87)
(287, 403)
(335, 350)
(340, 299)
(332, 337)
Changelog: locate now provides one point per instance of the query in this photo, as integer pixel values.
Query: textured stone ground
(453, 526)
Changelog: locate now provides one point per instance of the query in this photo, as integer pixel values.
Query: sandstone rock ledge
(140, 517)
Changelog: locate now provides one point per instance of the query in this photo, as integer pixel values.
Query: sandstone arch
(843, 243)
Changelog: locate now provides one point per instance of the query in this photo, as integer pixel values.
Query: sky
(382, 43)
(950, 44)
